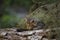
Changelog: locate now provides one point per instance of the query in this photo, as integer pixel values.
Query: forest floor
(12, 34)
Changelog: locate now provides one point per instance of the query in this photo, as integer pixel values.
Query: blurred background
(12, 11)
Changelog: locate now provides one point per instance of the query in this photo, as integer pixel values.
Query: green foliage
(27, 4)
(8, 21)
(48, 17)
(24, 3)
(7, 2)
